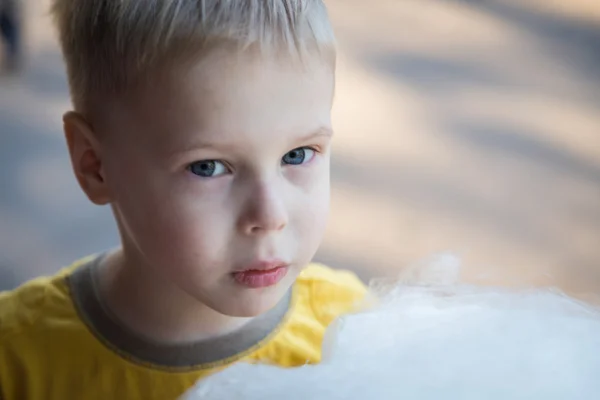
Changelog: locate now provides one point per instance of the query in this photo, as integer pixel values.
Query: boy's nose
(265, 211)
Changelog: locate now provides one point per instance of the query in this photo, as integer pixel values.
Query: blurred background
(463, 126)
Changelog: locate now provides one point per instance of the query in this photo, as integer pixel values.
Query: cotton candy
(440, 341)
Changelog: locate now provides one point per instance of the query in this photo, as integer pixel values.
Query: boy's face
(223, 169)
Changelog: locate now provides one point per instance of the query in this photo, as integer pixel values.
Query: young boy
(205, 124)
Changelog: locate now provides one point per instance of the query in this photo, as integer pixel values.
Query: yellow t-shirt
(50, 349)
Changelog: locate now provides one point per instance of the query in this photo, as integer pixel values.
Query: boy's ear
(86, 157)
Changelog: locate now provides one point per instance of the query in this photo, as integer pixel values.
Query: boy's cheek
(311, 178)
(177, 239)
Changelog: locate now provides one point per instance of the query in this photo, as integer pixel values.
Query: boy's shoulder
(24, 309)
(330, 292)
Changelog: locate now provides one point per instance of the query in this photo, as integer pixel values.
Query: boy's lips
(262, 274)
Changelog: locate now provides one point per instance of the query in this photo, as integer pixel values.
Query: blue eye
(298, 156)
(208, 168)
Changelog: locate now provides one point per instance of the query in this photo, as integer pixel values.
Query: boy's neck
(155, 310)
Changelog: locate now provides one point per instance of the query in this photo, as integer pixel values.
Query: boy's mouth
(262, 274)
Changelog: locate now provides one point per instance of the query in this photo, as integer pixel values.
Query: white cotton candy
(446, 341)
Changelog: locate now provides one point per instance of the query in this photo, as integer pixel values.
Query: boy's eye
(208, 168)
(298, 156)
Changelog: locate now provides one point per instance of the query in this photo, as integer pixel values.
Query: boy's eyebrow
(322, 131)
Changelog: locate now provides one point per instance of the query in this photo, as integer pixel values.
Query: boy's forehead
(228, 96)
(240, 79)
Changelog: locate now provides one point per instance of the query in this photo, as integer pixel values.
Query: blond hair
(111, 45)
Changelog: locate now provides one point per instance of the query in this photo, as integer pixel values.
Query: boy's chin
(252, 303)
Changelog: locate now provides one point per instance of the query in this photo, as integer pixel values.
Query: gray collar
(204, 354)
